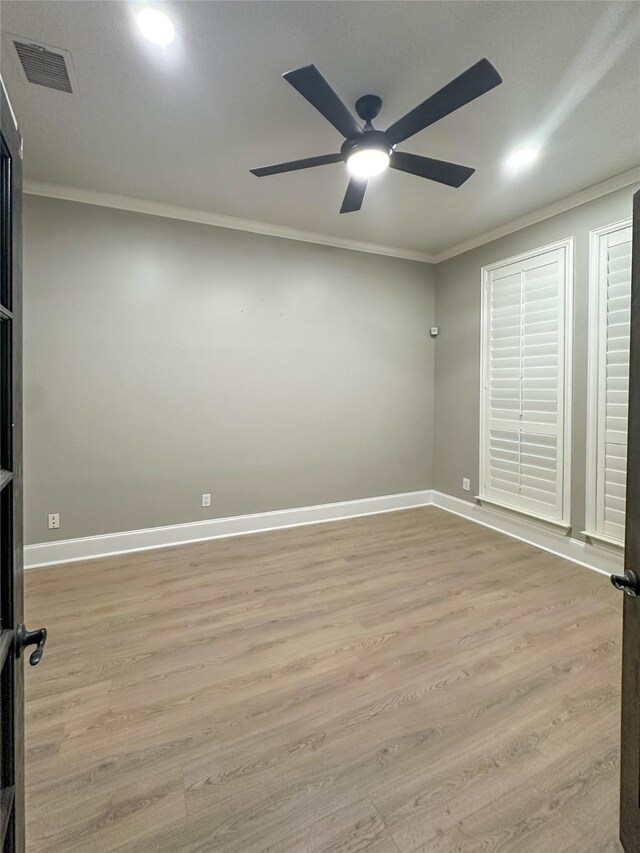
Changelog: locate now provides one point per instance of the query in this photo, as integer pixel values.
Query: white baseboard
(599, 559)
(108, 544)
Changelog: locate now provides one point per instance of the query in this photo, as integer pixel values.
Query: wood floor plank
(398, 683)
(98, 822)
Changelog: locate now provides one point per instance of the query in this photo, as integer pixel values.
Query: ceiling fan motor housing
(366, 141)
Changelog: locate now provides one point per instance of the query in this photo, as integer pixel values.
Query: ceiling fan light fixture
(368, 154)
(367, 162)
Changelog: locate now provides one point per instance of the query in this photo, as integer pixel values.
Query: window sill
(604, 541)
(525, 515)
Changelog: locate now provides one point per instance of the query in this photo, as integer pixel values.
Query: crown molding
(219, 220)
(617, 182)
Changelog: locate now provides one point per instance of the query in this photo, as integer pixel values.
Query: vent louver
(43, 66)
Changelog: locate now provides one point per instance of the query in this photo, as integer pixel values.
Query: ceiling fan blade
(312, 86)
(435, 170)
(354, 195)
(294, 165)
(472, 83)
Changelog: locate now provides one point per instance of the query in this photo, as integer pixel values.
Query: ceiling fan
(367, 151)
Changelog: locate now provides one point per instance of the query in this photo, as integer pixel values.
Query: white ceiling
(184, 124)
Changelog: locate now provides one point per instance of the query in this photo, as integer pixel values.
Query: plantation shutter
(614, 307)
(524, 360)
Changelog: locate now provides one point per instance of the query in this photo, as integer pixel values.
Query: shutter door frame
(595, 527)
(559, 515)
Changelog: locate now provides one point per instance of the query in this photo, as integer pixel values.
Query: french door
(13, 635)
(630, 582)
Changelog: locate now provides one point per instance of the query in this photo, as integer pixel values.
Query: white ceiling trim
(617, 182)
(170, 211)
(154, 208)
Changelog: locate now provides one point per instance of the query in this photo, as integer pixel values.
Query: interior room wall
(458, 301)
(166, 359)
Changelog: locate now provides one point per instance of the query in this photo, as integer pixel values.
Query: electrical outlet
(466, 485)
(206, 500)
(53, 520)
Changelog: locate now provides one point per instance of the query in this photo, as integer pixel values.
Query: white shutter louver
(525, 417)
(609, 381)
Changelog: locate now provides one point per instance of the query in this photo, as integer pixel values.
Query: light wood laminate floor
(398, 683)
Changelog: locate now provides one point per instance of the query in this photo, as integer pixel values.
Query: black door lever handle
(32, 638)
(629, 583)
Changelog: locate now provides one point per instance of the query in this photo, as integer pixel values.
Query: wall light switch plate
(53, 520)
(206, 500)
(466, 485)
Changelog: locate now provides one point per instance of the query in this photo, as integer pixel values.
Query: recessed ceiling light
(367, 162)
(156, 26)
(522, 157)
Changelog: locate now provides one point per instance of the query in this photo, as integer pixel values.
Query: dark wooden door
(630, 748)
(11, 710)
(13, 636)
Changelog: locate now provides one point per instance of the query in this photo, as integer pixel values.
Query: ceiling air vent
(44, 66)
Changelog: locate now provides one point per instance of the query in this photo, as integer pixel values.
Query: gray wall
(457, 401)
(165, 359)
